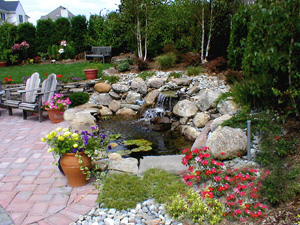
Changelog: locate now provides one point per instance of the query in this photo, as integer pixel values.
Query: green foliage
(166, 61)
(175, 75)
(63, 28)
(142, 64)
(191, 206)
(78, 32)
(146, 74)
(27, 32)
(123, 191)
(138, 145)
(193, 71)
(123, 66)
(45, 35)
(7, 39)
(110, 79)
(78, 98)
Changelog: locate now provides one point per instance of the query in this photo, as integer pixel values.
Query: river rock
(190, 133)
(200, 141)
(114, 95)
(185, 108)
(131, 106)
(139, 85)
(218, 121)
(205, 99)
(103, 99)
(104, 111)
(102, 87)
(132, 96)
(227, 107)
(151, 97)
(114, 106)
(126, 112)
(155, 83)
(182, 81)
(227, 142)
(120, 88)
(201, 119)
(160, 123)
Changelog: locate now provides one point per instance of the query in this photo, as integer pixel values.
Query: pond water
(163, 142)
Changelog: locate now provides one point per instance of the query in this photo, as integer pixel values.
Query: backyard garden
(251, 47)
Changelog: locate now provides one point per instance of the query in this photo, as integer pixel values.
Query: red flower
(277, 137)
(58, 76)
(45, 74)
(222, 153)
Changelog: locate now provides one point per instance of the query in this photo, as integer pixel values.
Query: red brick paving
(29, 191)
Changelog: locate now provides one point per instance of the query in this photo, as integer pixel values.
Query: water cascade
(164, 104)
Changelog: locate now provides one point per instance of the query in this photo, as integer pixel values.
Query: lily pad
(139, 145)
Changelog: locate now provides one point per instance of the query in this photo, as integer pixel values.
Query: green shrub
(79, 98)
(146, 74)
(193, 71)
(175, 75)
(166, 61)
(123, 66)
(142, 64)
(110, 79)
(191, 206)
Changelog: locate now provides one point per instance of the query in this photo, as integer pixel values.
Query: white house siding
(13, 17)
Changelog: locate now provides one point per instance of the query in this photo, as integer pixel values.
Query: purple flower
(93, 128)
(74, 150)
(109, 147)
(102, 136)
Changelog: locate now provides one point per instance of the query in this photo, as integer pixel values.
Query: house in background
(12, 12)
(57, 13)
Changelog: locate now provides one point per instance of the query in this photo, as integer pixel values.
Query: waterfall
(165, 102)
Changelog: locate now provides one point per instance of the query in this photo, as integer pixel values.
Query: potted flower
(56, 107)
(91, 70)
(77, 152)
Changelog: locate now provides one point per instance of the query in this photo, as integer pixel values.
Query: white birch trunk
(203, 33)
(139, 39)
(210, 31)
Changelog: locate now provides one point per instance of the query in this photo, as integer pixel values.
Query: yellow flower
(75, 145)
(67, 133)
(49, 136)
(75, 136)
(66, 129)
(59, 129)
(50, 150)
(53, 133)
(61, 138)
(43, 140)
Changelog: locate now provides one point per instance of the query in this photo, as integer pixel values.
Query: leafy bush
(142, 64)
(110, 79)
(193, 71)
(146, 74)
(166, 61)
(175, 75)
(191, 206)
(233, 76)
(123, 66)
(79, 98)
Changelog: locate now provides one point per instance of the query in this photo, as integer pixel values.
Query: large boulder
(139, 85)
(185, 108)
(104, 111)
(190, 133)
(218, 121)
(103, 99)
(206, 99)
(227, 107)
(182, 81)
(114, 95)
(151, 97)
(202, 137)
(114, 106)
(227, 143)
(132, 96)
(118, 164)
(80, 119)
(126, 112)
(201, 119)
(120, 88)
(155, 82)
(102, 87)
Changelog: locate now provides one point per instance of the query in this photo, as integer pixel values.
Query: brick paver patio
(32, 190)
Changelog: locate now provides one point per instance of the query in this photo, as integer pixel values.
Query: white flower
(61, 51)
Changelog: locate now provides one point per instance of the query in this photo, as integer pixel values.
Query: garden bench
(1, 93)
(98, 51)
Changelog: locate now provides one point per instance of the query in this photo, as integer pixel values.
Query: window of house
(20, 18)
(2, 16)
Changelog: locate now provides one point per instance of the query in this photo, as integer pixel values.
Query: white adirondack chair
(1, 93)
(28, 95)
(46, 93)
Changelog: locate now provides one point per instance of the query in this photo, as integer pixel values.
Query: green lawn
(68, 71)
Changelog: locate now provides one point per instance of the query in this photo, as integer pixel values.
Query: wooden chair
(1, 93)
(46, 93)
(28, 95)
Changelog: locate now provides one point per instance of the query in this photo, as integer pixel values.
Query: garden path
(30, 192)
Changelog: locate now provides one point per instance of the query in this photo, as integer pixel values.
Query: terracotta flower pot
(71, 168)
(55, 115)
(2, 64)
(91, 73)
